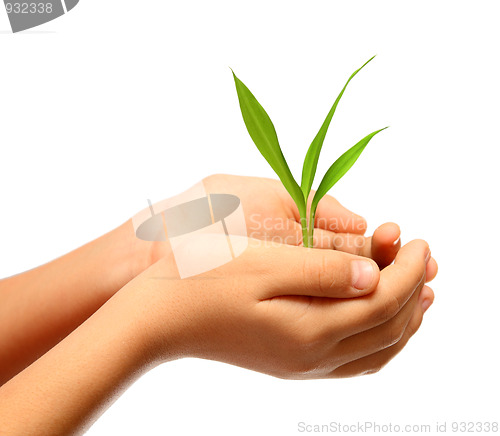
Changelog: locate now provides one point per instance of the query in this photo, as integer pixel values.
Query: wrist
(160, 305)
(78, 378)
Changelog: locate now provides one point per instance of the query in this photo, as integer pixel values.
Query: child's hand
(271, 214)
(291, 312)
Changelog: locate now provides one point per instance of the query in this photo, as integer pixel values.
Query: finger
(397, 284)
(317, 273)
(432, 270)
(378, 338)
(385, 244)
(332, 216)
(426, 297)
(375, 362)
(382, 247)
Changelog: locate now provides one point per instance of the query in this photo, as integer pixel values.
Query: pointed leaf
(312, 156)
(339, 168)
(261, 130)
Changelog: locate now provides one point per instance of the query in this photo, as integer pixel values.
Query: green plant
(263, 134)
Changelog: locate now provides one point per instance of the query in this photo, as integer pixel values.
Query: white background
(121, 101)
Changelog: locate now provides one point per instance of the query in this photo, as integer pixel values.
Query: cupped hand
(271, 214)
(291, 312)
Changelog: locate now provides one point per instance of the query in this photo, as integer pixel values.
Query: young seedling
(261, 130)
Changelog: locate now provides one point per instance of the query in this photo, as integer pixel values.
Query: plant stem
(303, 224)
(310, 231)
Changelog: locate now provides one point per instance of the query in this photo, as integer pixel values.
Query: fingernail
(426, 304)
(428, 256)
(396, 242)
(362, 274)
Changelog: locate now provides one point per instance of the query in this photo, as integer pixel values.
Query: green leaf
(339, 168)
(312, 156)
(261, 129)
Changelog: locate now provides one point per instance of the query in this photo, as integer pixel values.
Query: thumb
(318, 273)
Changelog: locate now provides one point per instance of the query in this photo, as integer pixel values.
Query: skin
(283, 310)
